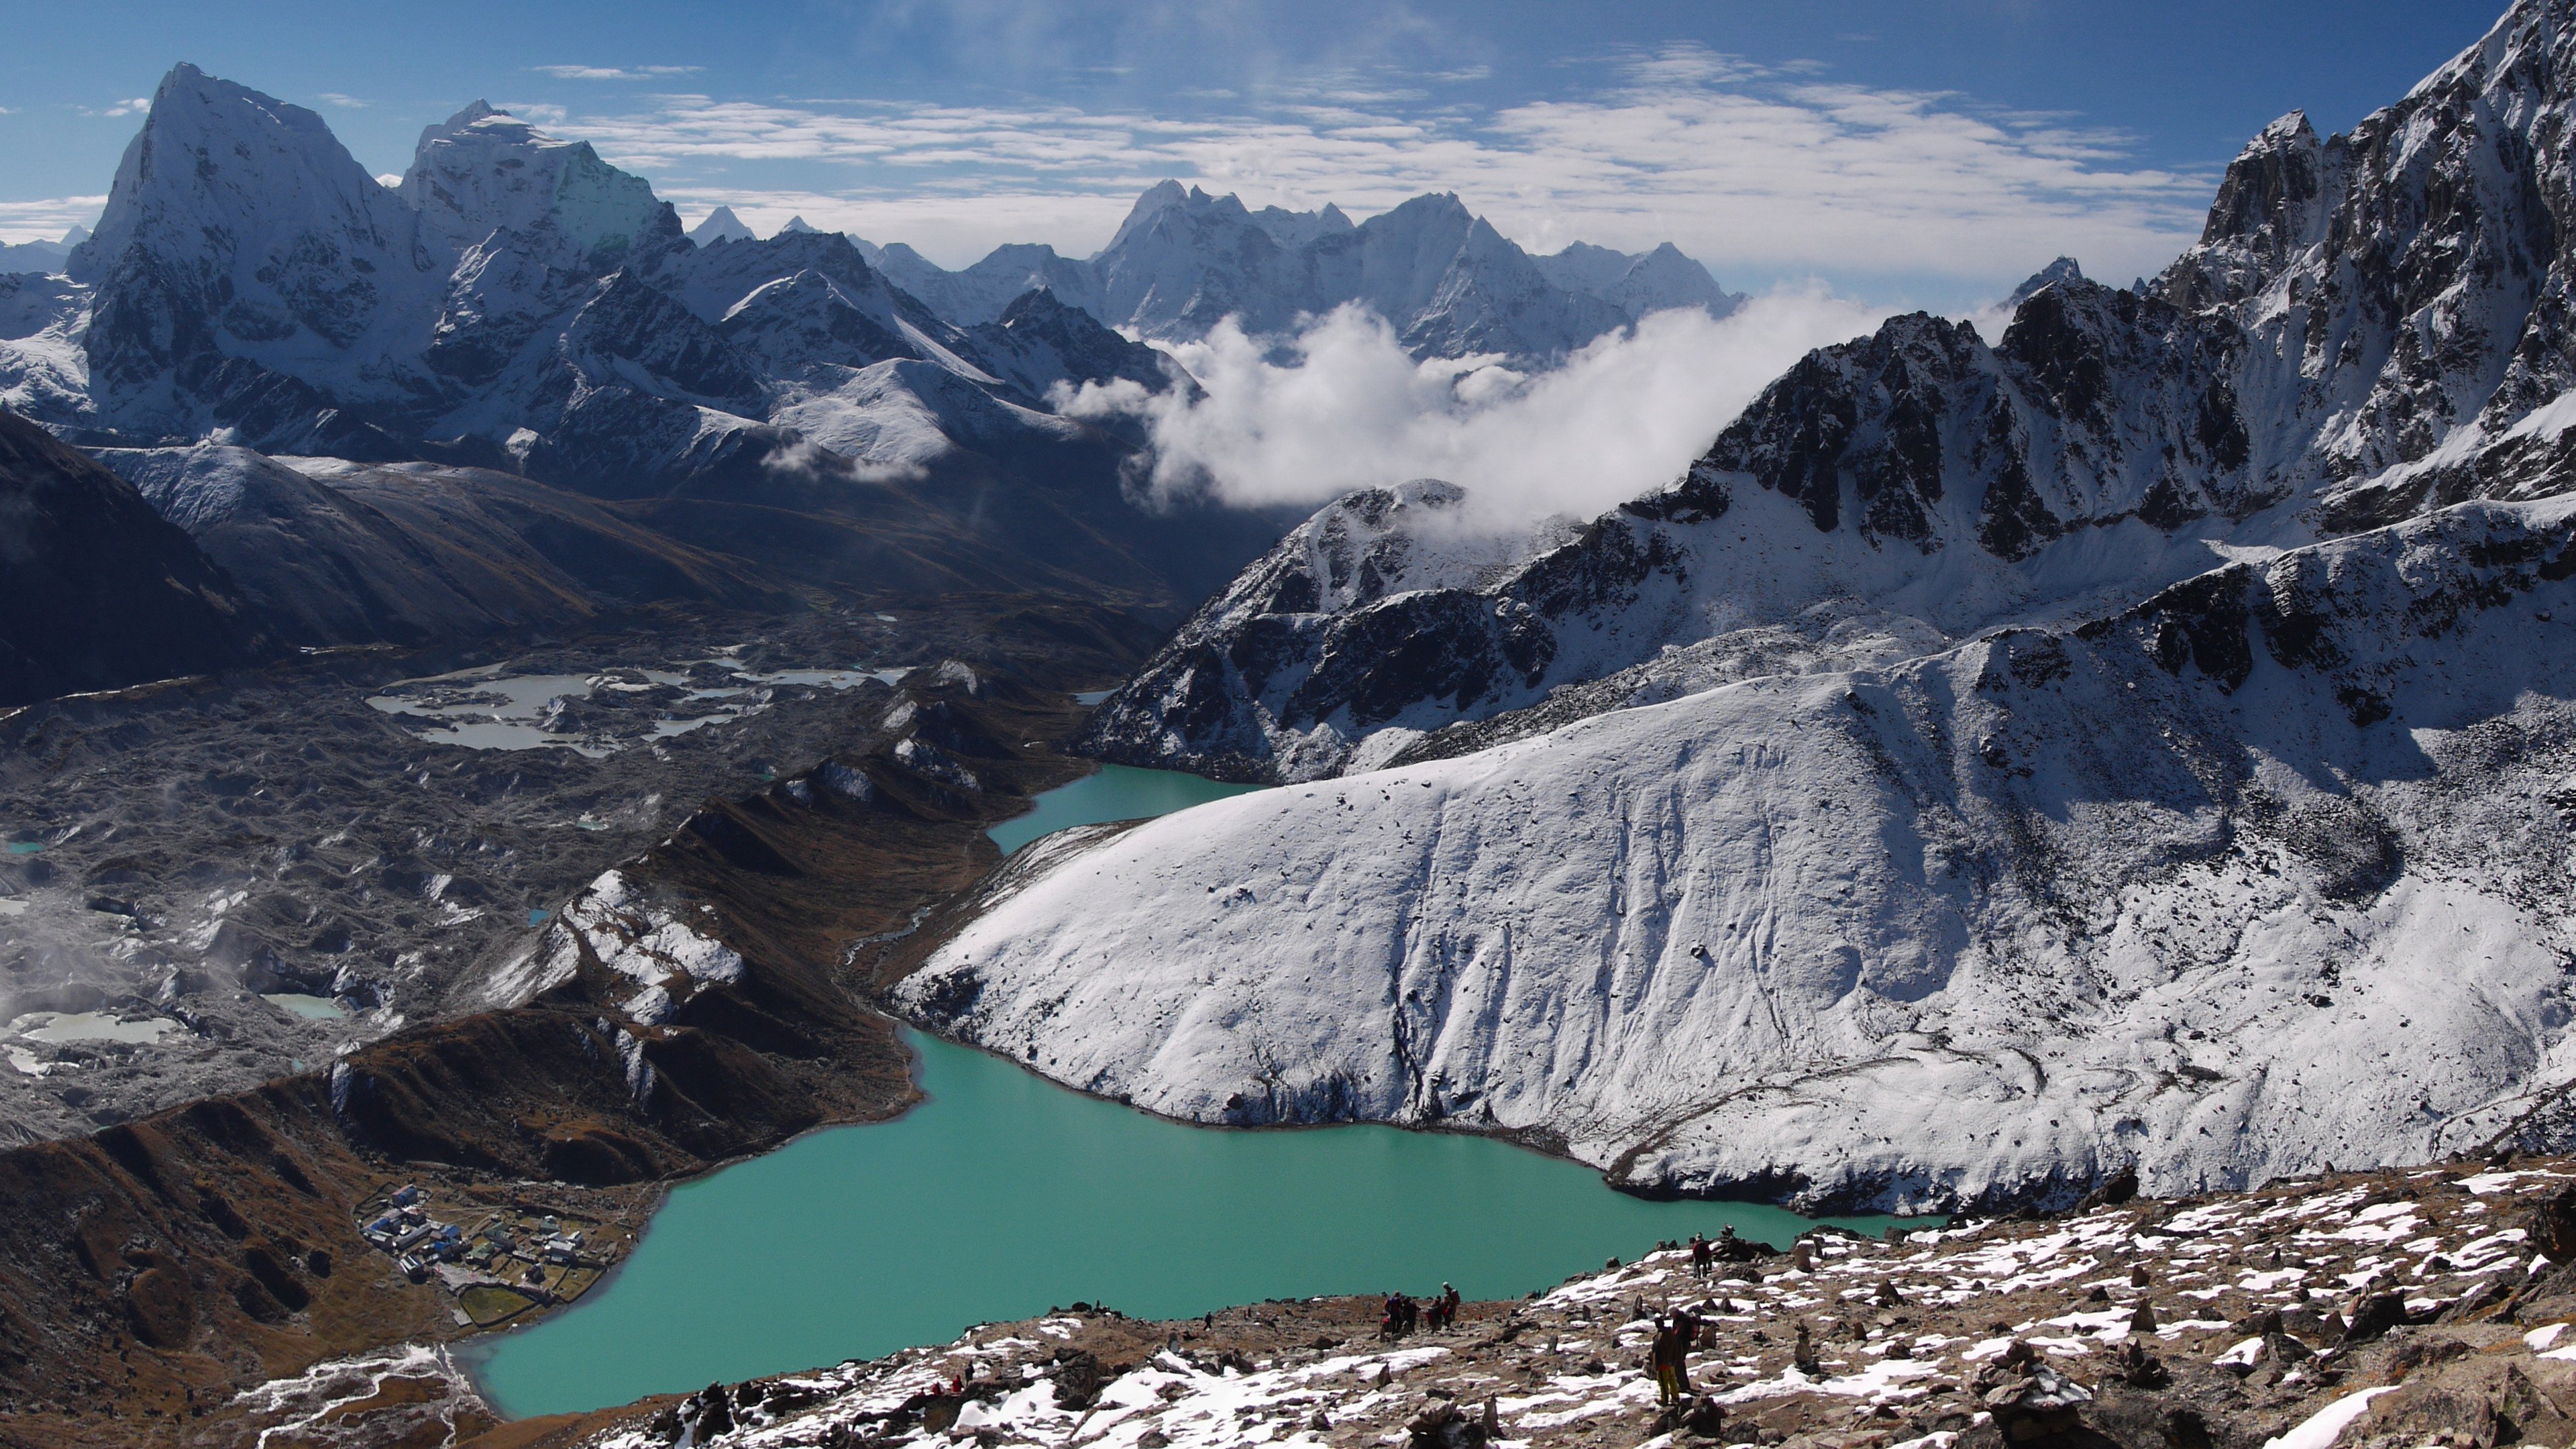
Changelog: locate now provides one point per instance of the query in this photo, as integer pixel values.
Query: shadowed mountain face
(348, 553)
(96, 589)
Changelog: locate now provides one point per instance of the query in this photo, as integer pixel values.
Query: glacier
(2259, 874)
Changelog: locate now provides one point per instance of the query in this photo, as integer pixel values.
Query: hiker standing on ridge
(1663, 1358)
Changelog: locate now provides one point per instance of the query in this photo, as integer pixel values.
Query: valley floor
(2408, 1307)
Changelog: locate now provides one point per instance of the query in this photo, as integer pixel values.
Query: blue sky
(1924, 152)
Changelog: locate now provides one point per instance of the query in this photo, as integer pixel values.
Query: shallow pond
(311, 1008)
(62, 1026)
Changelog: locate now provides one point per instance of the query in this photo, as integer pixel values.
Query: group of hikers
(1678, 1329)
(1404, 1314)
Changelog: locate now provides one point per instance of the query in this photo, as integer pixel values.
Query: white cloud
(1348, 408)
(1764, 172)
(539, 112)
(349, 103)
(134, 107)
(615, 72)
(47, 219)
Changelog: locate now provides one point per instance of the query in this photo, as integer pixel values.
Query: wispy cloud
(1348, 408)
(134, 107)
(47, 219)
(615, 72)
(1764, 171)
(350, 103)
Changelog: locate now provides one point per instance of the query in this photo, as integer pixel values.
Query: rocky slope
(2372, 325)
(1442, 277)
(96, 590)
(2255, 875)
(173, 1272)
(341, 827)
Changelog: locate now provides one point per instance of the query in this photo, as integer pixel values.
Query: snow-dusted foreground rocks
(2265, 873)
(2390, 1310)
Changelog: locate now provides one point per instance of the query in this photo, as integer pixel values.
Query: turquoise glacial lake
(1004, 1195)
(1117, 792)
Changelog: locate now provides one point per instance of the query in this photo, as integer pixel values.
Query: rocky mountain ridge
(515, 302)
(2371, 326)
(96, 589)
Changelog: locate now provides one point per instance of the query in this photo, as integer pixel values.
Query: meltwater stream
(1004, 1195)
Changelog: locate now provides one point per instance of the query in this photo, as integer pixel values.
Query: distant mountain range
(517, 317)
(1442, 277)
(41, 256)
(518, 303)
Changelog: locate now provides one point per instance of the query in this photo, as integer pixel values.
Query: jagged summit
(473, 111)
(721, 225)
(2055, 273)
(213, 152)
(486, 170)
(41, 256)
(2372, 324)
(1161, 196)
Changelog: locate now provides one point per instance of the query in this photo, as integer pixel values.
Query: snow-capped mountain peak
(1155, 199)
(238, 209)
(485, 170)
(721, 225)
(264, 172)
(2064, 269)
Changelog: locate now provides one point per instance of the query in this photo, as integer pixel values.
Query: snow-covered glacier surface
(2263, 873)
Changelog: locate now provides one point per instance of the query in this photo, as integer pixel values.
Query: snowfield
(2265, 873)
